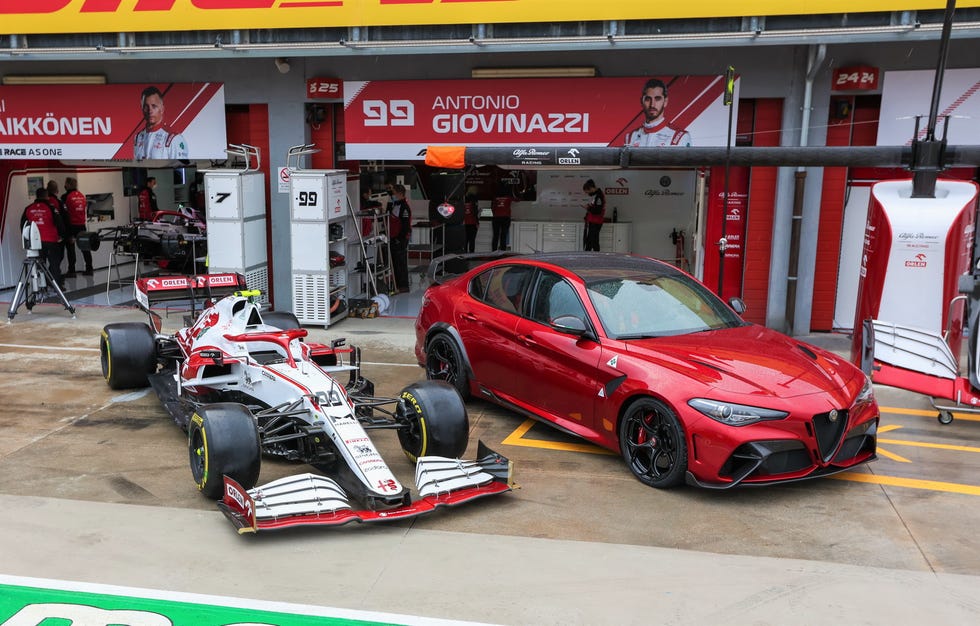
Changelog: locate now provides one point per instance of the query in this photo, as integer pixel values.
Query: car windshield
(650, 305)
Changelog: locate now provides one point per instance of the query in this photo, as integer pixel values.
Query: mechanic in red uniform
(52, 231)
(148, 200)
(471, 219)
(77, 207)
(595, 214)
(501, 210)
(400, 231)
(62, 212)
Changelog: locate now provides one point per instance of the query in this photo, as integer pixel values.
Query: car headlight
(734, 414)
(867, 392)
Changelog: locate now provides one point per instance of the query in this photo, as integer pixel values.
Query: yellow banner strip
(99, 16)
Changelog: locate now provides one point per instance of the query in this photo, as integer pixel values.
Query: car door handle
(527, 340)
(469, 317)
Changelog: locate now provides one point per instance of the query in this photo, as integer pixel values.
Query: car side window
(507, 287)
(553, 298)
(478, 286)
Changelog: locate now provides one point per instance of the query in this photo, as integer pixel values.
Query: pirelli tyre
(223, 439)
(433, 419)
(283, 320)
(129, 355)
(88, 241)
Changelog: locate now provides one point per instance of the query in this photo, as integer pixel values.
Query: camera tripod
(34, 285)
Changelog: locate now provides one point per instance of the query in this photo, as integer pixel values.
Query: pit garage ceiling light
(55, 79)
(533, 72)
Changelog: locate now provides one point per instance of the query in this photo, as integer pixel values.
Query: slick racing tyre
(129, 354)
(444, 361)
(88, 241)
(653, 445)
(434, 421)
(222, 439)
(283, 320)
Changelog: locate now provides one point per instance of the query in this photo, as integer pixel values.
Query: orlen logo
(243, 503)
(918, 260)
(389, 113)
(622, 190)
(173, 282)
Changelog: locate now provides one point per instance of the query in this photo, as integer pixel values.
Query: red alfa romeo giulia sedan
(638, 357)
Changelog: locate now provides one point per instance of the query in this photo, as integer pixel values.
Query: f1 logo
(389, 113)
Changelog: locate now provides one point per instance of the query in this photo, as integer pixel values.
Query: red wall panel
(832, 196)
(762, 201)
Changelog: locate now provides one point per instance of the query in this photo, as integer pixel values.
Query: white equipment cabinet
(320, 225)
(236, 218)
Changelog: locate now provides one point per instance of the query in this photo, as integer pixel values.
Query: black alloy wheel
(653, 445)
(444, 361)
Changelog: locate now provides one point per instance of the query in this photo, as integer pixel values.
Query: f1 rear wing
(195, 289)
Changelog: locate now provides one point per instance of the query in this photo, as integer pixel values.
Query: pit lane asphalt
(94, 487)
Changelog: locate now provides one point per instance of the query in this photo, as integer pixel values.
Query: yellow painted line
(892, 456)
(936, 446)
(968, 417)
(911, 483)
(516, 438)
(889, 427)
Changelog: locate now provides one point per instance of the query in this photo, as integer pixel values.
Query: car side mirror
(571, 325)
(738, 305)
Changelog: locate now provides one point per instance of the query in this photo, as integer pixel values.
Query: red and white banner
(107, 122)
(906, 95)
(398, 119)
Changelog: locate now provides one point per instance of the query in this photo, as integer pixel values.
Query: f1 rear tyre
(223, 439)
(434, 420)
(129, 355)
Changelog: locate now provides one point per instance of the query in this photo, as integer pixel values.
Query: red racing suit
(658, 134)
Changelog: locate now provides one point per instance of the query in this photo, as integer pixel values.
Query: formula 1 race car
(243, 382)
(172, 240)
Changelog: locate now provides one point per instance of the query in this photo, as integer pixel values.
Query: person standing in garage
(76, 205)
(147, 205)
(595, 214)
(500, 221)
(52, 231)
(400, 232)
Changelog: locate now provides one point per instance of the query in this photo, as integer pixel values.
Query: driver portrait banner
(398, 119)
(106, 122)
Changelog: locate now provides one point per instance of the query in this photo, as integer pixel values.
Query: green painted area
(33, 606)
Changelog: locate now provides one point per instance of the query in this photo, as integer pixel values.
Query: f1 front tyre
(128, 352)
(434, 421)
(223, 439)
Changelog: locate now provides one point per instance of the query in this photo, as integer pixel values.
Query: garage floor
(95, 486)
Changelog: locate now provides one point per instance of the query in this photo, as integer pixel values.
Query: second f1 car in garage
(637, 356)
(244, 383)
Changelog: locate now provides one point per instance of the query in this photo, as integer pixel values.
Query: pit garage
(82, 456)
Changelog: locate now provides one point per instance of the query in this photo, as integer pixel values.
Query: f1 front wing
(311, 499)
